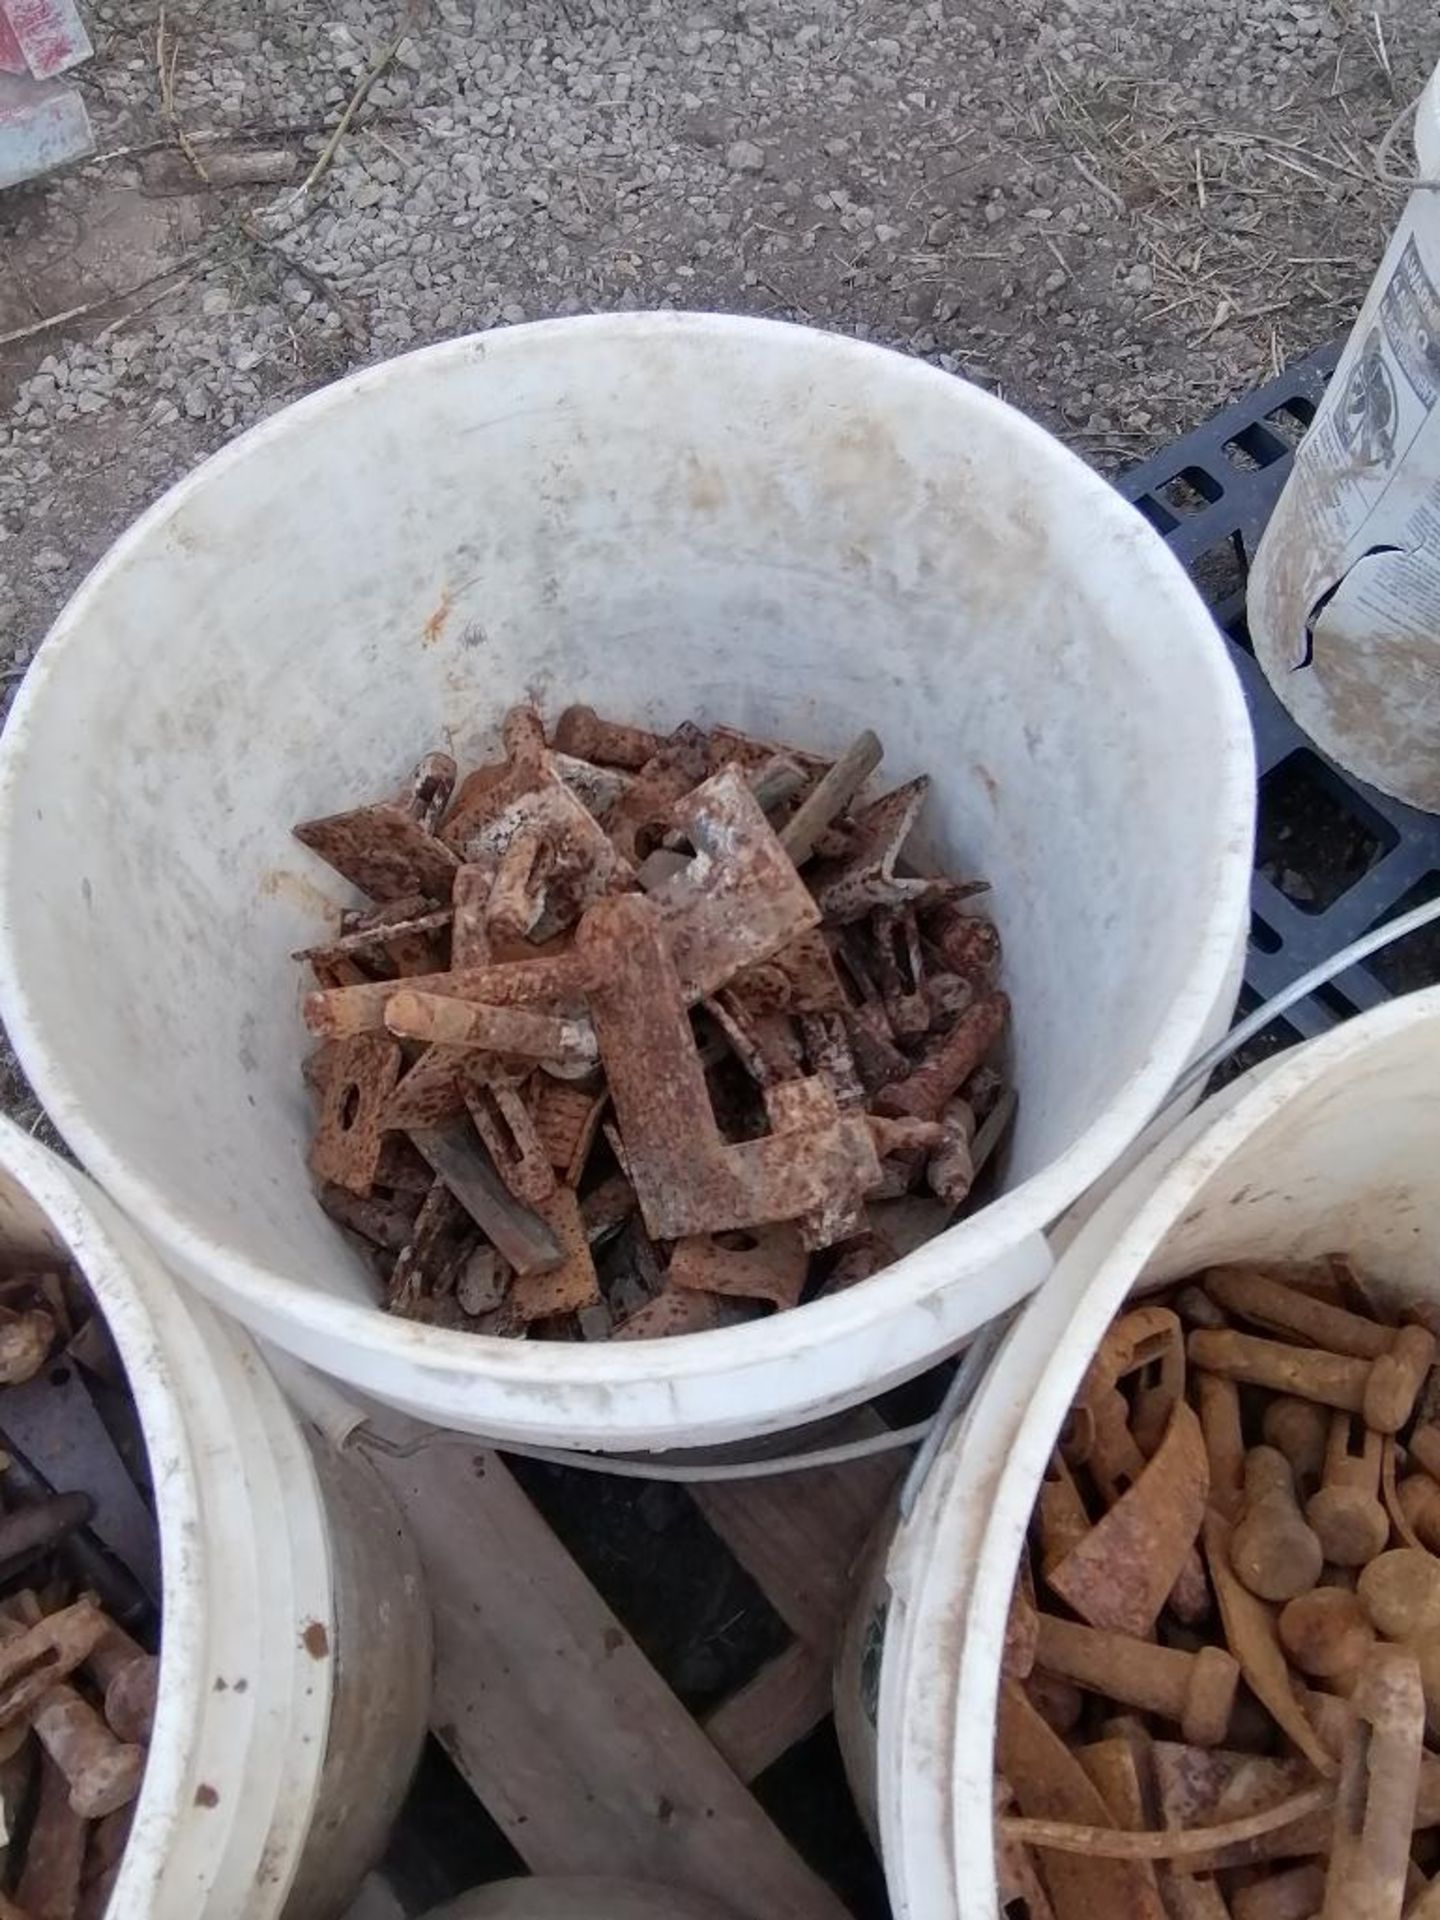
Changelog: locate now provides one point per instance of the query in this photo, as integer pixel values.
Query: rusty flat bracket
(572, 1285)
(554, 859)
(361, 1076)
(1119, 1575)
(567, 1119)
(381, 850)
(729, 746)
(433, 1091)
(864, 877)
(503, 1121)
(771, 1265)
(740, 900)
(678, 764)
(388, 850)
(688, 1178)
(428, 1246)
(676, 1311)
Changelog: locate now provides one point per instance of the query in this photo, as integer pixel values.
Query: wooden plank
(565, 1731)
(799, 1535)
(787, 1699)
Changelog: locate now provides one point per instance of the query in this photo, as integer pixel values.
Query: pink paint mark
(12, 54)
(50, 34)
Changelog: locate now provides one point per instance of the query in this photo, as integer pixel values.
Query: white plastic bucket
(295, 1655)
(665, 515)
(1343, 595)
(1334, 1148)
(585, 1899)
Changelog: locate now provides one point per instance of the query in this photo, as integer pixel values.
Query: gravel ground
(1118, 213)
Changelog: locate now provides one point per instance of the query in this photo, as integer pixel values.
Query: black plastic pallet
(1210, 494)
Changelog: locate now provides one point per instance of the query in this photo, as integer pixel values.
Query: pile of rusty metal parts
(1224, 1706)
(644, 1035)
(79, 1589)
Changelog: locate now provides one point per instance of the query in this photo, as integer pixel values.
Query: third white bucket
(1336, 1148)
(666, 516)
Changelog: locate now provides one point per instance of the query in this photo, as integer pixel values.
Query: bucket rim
(284, 1299)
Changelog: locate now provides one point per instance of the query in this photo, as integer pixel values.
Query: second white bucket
(295, 1634)
(1334, 1149)
(668, 516)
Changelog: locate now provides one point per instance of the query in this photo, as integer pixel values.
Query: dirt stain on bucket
(435, 625)
(316, 1641)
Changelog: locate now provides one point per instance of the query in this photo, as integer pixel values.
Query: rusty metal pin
(556, 984)
(580, 731)
(1250, 1634)
(54, 1859)
(1383, 1390)
(1418, 1497)
(103, 1773)
(1218, 1402)
(33, 1658)
(1301, 1431)
(1346, 1512)
(1375, 1801)
(1269, 1303)
(1195, 1690)
(969, 945)
(503, 1030)
(947, 1064)
(1272, 1549)
(128, 1678)
(1326, 1633)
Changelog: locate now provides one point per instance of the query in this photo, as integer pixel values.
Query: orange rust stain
(283, 883)
(435, 625)
(316, 1641)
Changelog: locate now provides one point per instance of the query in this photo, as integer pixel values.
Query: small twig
(1383, 52)
(167, 97)
(1099, 185)
(1199, 180)
(88, 307)
(124, 319)
(357, 100)
(1407, 182)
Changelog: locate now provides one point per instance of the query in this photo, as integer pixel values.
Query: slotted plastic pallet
(1334, 858)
